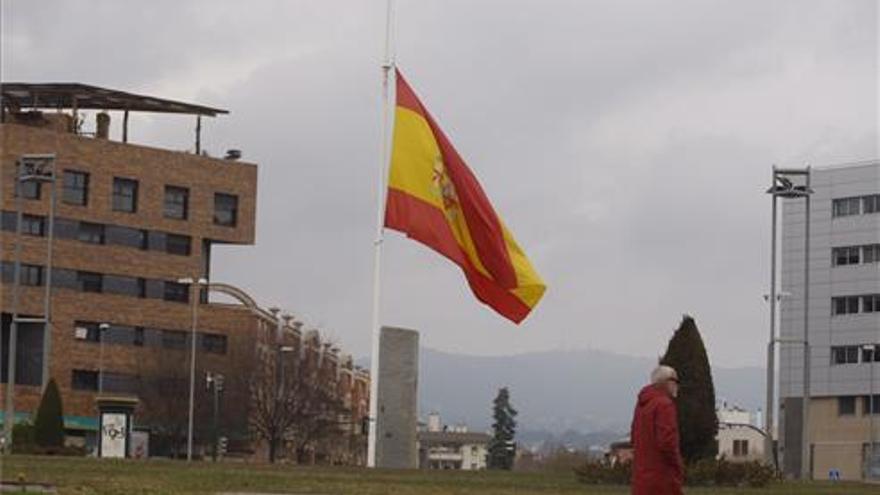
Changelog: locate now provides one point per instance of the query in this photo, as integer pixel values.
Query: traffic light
(222, 446)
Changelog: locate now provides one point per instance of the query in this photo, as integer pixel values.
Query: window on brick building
(31, 275)
(92, 233)
(84, 380)
(75, 188)
(90, 281)
(29, 189)
(178, 244)
(214, 343)
(125, 195)
(173, 339)
(176, 202)
(225, 209)
(176, 292)
(33, 225)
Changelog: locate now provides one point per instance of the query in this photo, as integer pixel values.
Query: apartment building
(132, 229)
(843, 322)
(451, 447)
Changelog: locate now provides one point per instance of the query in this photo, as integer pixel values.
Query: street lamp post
(783, 187)
(194, 295)
(31, 169)
(102, 330)
(281, 321)
(769, 431)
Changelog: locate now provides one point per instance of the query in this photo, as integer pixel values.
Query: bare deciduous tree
(296, 405)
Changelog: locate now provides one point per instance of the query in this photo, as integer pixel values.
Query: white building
(739, 437)
(843, 322)
(444, 447)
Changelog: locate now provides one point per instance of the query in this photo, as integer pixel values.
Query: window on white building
(846, 206)
(871, 203)
(844, 305)
(848, 354)
(740, 448)
(846, 406)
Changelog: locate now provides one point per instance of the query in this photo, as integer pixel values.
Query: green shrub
(22, 435)
(707, 472)
(53, 451)
(721, 472)
(49, 421)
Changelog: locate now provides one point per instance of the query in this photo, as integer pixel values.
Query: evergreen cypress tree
(697, 420)
(49, 422)
(501, 447)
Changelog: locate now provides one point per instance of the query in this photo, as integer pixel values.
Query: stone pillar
(397, 421)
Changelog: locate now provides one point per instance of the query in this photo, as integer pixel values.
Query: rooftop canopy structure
(20, 96)
(21, 99)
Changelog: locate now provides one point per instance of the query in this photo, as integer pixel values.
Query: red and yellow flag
(435, 199)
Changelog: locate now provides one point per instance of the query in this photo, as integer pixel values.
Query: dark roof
(429, 437)
(62, 95)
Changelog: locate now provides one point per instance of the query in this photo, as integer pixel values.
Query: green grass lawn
(91, 476)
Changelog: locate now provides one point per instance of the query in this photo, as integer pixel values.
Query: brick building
(130, 222)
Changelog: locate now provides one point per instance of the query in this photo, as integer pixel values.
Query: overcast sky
(626, 144)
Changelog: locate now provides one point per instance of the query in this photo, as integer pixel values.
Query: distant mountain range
(578, 398)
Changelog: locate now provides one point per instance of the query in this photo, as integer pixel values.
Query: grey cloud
(626, 144)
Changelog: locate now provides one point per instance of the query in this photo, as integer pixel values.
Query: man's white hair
(663, 373)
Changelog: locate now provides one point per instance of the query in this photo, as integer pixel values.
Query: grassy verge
(91, 476)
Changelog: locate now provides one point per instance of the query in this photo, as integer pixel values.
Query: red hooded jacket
(657, 464)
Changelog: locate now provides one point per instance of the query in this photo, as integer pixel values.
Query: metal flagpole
(387, 65)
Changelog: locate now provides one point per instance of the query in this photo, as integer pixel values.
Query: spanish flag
(434, 198)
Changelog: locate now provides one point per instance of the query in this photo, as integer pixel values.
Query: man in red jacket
(657, 464)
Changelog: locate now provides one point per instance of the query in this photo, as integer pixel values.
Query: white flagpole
(387, 65)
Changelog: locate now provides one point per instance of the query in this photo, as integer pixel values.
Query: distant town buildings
(739, 435)
(132, 230)
(844, 324)
(444, 447)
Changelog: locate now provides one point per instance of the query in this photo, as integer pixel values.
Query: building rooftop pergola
(21, 98)
(75, 96)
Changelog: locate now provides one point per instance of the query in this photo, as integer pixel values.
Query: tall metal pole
(199, 134)
(279, 363)
(194, 287)
(387, 65)
(273, 448)
(102, 329)
(13, 328)
(47, 303)
(216, 380)
(806, 471)
(770, 407)
(871, 414)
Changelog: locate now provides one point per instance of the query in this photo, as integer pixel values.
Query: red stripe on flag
(482, 221)
(425, 223)
(406, 97)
